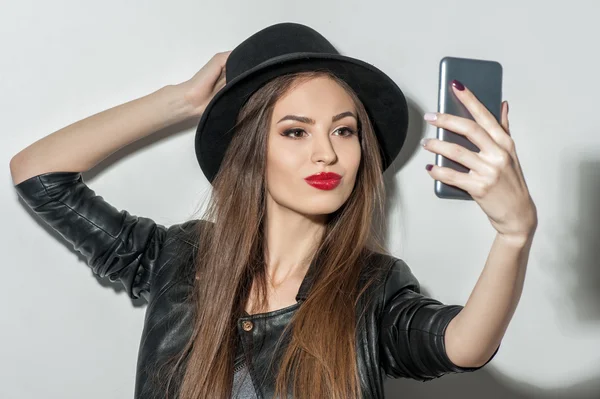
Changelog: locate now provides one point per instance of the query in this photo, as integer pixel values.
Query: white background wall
(65, 335)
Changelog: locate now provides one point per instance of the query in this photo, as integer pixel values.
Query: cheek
(283, 167)
(357, 154)
(352, 160)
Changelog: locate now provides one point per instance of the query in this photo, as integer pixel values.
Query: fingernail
(430, 116)
(429, 166)
(424, 141)
(458, 85)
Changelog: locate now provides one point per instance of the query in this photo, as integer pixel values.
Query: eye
(349, 131)
(287, 133)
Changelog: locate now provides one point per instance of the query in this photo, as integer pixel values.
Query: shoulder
(400, 277)
(181, 243)
(187, 233)
(389, 274)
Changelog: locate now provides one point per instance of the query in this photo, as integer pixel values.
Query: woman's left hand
(495, 180)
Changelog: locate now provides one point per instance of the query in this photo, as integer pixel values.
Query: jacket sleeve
(412, 328)
(116, 244)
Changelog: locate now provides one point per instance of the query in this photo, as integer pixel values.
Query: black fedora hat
(286, 48)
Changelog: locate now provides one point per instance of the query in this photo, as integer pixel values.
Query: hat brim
(383, 100)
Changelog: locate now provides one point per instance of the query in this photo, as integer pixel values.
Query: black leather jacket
(402, 334)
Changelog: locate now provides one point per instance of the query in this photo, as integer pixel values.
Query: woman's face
(298, 149)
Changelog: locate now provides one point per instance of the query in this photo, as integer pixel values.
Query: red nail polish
(458, 85)
(429, 166)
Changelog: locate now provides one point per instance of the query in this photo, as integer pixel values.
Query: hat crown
(288, 48)
(274, 41)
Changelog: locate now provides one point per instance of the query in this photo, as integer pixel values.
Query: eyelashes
(288, 133)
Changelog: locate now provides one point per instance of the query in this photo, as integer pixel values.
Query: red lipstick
(324, 180)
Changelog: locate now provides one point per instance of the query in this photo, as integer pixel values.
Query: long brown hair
(320, 359)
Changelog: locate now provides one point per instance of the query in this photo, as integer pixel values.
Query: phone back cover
(484, 79)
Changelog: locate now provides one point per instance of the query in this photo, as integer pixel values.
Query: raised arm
(83, 144)
(47, 176)
(117, 245)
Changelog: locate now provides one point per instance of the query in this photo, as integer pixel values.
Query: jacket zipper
(239, 366)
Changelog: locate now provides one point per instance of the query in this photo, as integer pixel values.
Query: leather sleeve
(116, 244)
(412, 328)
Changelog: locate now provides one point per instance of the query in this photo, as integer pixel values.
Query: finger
(221, 77)
(479, 112)
(223, 74)
(504, 118)
(454, 178)
(457, 153)
(219, 84)
(222, 57)
(465, 127)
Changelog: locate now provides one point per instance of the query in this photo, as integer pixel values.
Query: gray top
(242, 385)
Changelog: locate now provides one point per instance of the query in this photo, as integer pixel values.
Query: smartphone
(484, 79)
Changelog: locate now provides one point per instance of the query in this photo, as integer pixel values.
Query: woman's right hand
(202, 87)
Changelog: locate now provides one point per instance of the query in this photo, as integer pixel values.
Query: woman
(282, 288)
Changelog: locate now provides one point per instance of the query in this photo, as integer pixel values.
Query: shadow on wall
(572, 254)
(485, 383)
(179, 128)
(117, 287)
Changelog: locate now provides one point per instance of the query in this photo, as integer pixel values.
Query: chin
(319, 207)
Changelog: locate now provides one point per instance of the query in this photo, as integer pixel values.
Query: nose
(323, 150)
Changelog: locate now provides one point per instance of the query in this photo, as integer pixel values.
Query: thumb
(504, 117)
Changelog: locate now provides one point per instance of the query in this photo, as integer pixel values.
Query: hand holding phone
(484, 79)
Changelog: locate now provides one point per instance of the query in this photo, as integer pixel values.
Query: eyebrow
(310, 121)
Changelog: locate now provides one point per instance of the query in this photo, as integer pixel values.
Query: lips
(323, 176)
(324, 180)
